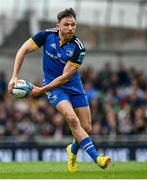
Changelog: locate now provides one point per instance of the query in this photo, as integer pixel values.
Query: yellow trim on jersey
(60, 42)
(35, 45)
(74, 64)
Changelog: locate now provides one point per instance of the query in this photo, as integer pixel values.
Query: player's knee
(72, 121)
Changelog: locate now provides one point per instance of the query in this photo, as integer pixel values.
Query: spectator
(43, 126)
(117, 107)
(91, 92)
(111, 123)
(139, 121)
(3, 86)
(58, 124)
(125, 125)
(123, 75)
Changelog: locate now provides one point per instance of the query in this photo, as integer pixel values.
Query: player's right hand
(12, 82)
(36, 91)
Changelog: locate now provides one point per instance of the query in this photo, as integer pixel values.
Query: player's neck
(62, 39)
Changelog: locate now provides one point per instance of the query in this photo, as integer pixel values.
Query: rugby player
(63, 54)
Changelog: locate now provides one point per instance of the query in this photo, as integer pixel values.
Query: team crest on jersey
(53, 45)
(69, 52)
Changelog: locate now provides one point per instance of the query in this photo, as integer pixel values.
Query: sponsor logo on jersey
(81, 57)
(51, 55)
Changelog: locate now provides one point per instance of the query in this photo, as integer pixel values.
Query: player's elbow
(22, 51)
(27, 50)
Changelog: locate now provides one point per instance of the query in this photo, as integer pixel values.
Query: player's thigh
(84, 116)
(60, 99)
(82, 110)
(65, 108)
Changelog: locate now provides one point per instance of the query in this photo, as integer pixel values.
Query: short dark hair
(66, 13)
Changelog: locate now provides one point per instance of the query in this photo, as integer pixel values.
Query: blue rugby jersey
(55, 57)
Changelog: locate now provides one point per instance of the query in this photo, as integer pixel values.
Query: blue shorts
(57, 95)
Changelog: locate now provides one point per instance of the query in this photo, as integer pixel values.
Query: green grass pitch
(58, 170)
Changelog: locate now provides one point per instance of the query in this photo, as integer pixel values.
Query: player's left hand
(36, 91)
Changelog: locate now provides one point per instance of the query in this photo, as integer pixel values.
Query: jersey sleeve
(39, 38)
(78, 55)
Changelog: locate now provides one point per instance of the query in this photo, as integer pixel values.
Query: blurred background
(113, 73)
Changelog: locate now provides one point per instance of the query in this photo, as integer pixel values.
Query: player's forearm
(55, 83)
(68, 71)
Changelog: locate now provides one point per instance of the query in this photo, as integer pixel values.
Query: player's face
(67, 27)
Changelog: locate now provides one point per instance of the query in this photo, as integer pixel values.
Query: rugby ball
(22, 89)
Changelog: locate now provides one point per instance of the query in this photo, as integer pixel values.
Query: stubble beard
(66, 37)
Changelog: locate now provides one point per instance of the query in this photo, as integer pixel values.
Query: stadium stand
(118, 100)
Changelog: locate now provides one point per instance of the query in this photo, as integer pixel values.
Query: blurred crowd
(117, 97)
